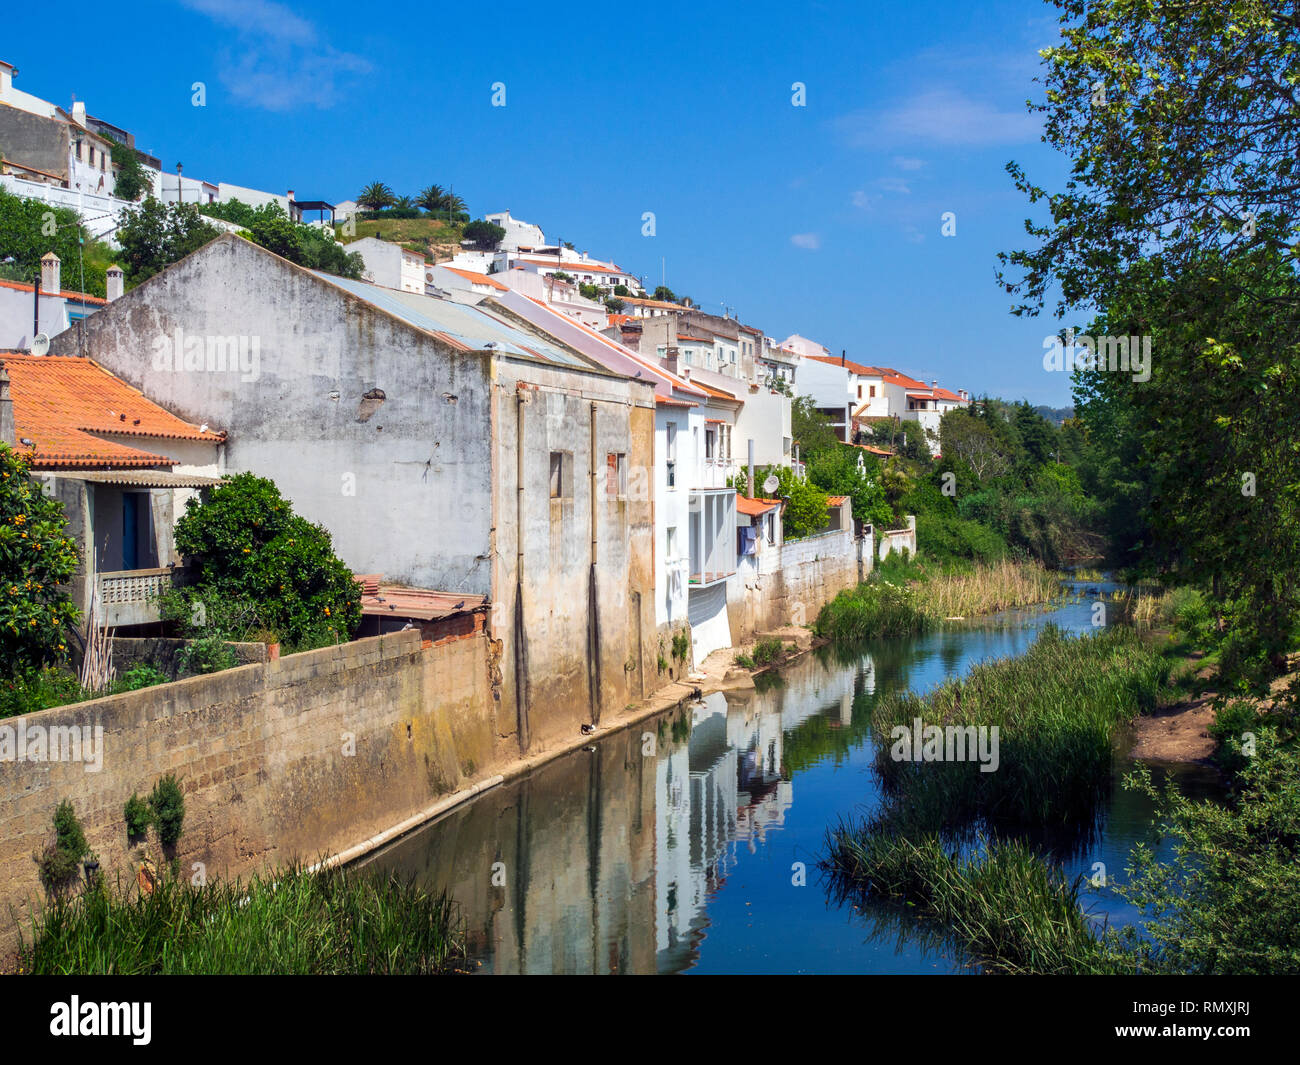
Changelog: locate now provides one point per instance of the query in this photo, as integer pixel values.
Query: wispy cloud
(908, 162)
(278, 61)
(808, 241)
(944, 117)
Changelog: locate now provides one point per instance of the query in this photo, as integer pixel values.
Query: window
(708, 443)
(859, 391)
(670, 548)
(873, 392)
(561, 475)
(671, 455)
(615, 475)
(770, 520)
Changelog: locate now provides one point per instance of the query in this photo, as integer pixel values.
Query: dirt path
(1177, 733)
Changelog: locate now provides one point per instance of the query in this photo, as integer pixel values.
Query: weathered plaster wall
(403, 483)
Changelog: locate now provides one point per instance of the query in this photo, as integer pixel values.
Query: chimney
(843, 355)
(672, 361)
(50, 270)
(8, 433)
(291, 195)
(113, 282)
(934, 383)
(79, 112)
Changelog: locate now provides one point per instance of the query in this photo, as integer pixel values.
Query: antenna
(771, 484)
(40, 344)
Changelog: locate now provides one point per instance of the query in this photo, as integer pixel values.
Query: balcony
(714, 472)
(130, 596)
(712, 536)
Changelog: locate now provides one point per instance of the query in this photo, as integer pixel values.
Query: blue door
(130, 530)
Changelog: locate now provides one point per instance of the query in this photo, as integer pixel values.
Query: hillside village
(578, 455)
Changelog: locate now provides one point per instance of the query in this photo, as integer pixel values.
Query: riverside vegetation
(297, 921)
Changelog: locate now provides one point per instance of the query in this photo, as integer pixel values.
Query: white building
(518, 234)
(390, 265)
(463, 286)
(59, 307)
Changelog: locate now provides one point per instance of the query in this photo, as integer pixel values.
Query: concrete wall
(581, 636)
(792, 584)
(261, 754)
(898, 540)
(100, 212)
(35, 141)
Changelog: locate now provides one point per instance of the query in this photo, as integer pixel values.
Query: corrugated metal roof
(141, 478)
(470, 326)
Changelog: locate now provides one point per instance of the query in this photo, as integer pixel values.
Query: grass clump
(876, 608)
(1056, 708)
(327, 922)
(1003, 904)
(167, 805)
(59, 861)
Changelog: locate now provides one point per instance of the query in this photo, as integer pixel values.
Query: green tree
(131, 180)
(663, 292)
(31, 228)
(484, 235)
(810, 428)
(36, 557)
(155, 235)
(247, 546)
(849, 471)
(375, 197)
(431, 198)
(1184, 136)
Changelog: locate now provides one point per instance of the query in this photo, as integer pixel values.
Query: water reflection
(690, 842)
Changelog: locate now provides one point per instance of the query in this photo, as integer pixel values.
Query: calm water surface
(677, 844)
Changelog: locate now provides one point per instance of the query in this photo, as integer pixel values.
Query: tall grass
(988, 589)
(1005, 905)
(1057, 708)
(905, 598)
(324, 922)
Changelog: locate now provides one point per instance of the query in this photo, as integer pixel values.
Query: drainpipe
(751, 468)
(521, 631)
(593, 600)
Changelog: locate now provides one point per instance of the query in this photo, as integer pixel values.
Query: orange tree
(245, 546)
(36, 557)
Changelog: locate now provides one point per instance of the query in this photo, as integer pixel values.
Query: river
(689, 842)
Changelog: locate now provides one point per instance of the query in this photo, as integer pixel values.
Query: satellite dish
(771, 484)
(40, 344)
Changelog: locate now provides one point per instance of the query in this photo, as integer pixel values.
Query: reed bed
(328, 922)
(1057, 708)
(903, 600)
(988, 589)
(1004, 904)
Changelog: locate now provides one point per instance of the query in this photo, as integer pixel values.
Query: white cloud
(278, 61)
(808, 241)
(908, 162)
(893, 184)
(942, 117)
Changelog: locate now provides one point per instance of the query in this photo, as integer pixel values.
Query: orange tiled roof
(836, 501)
(856, 367)
(67, 294)
(568, 267)
(756, 506)
(62, 403)
(478, 279)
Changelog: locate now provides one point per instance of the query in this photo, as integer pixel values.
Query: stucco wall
(260, 752)
(793, 583)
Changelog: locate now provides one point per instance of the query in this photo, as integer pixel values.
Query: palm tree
(453, 205)
(431, 198)
(404, 203)
(375, 196)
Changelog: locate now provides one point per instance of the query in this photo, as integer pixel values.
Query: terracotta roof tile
(756, 506)
(478, 279)
(67, 294)
(64, 403)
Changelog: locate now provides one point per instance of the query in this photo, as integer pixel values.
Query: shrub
(167, 804)
(141, 676)
(209, 654)
(246, 546)
(138, 815)
(58, 862)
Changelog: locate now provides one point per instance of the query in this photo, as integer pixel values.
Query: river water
(689, 842)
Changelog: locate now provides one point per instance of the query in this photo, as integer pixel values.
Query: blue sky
(822, 220)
